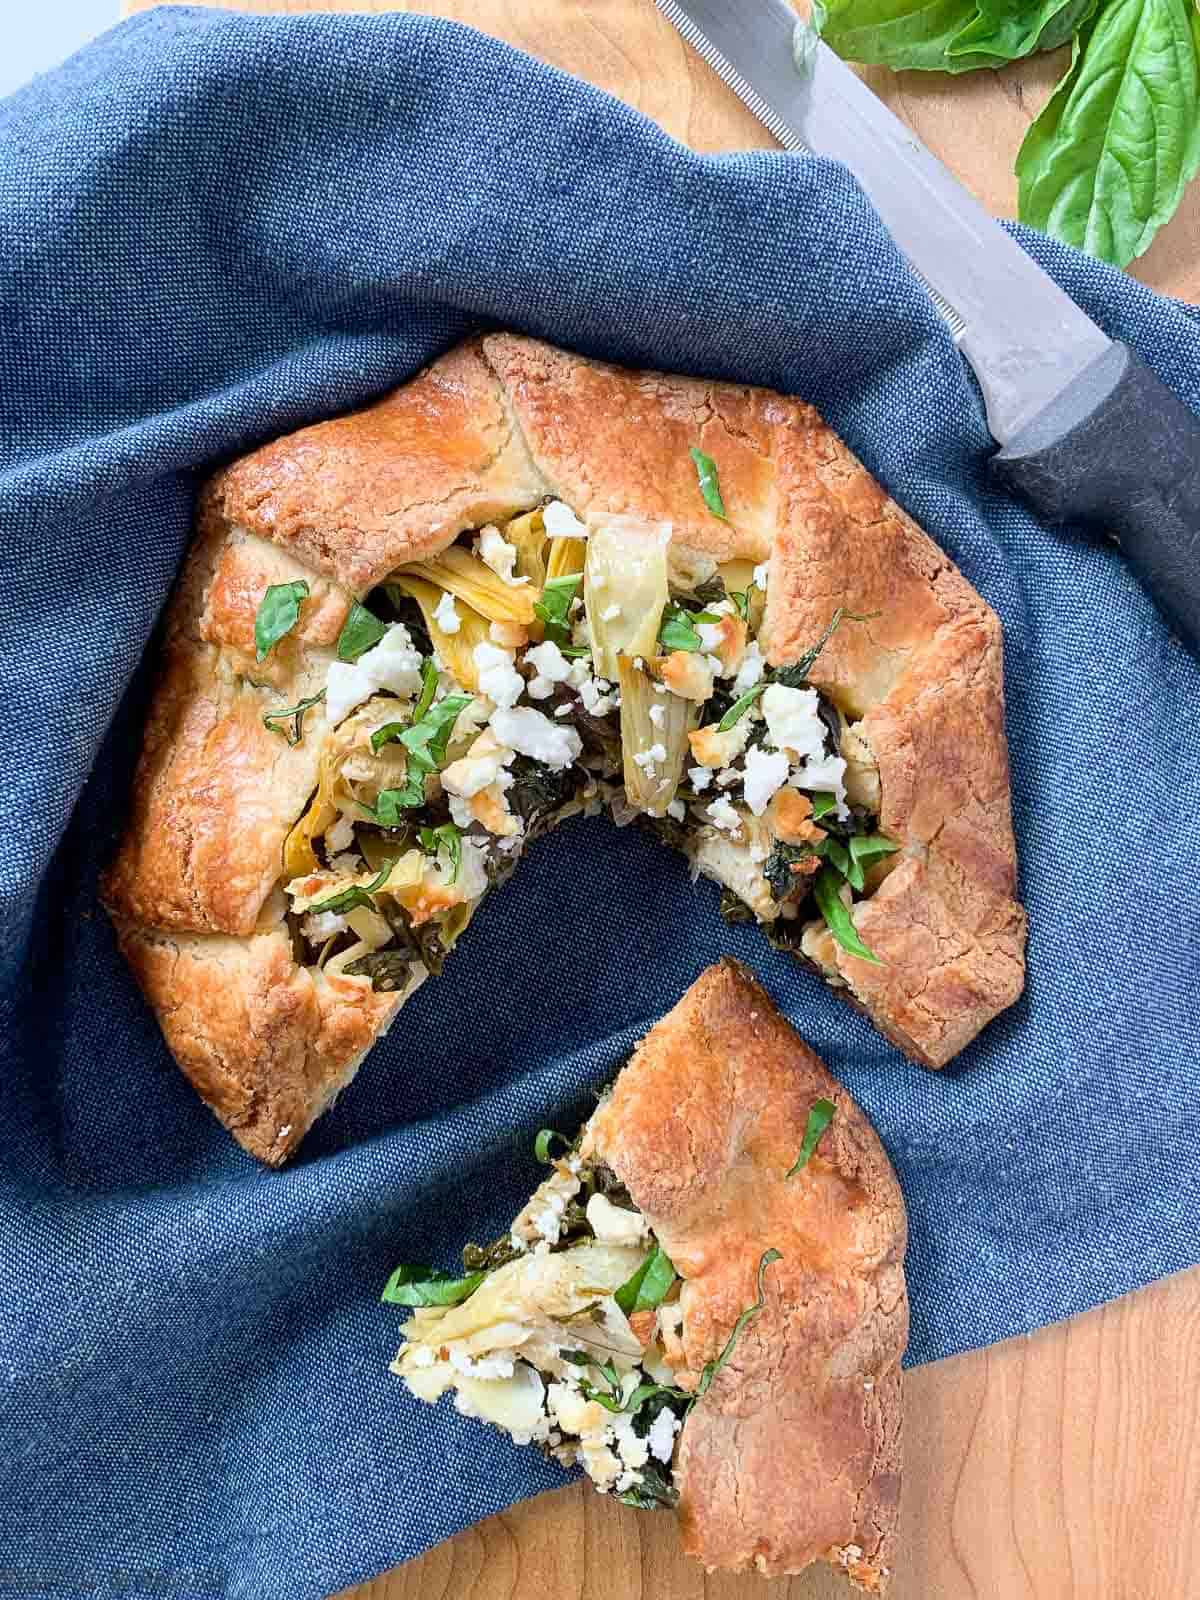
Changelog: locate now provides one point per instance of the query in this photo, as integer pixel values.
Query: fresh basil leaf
(357, 894)
(741, 599)
(602, 1397)
(710, 488)
(837, 917)
(866, 846)
(390, 804)
(676, 632)
(740, 707)
(361, 631)
(912, 34)
(822, 804)
(278, 613)
(648, 1286)
(711, 1368)
(1013, 28)
(553, 610)
(430, 677)
(428, 738)
(1106, 162)
(428, 1286)
(385, 734)
(819, 1117)
(447, 838)
(388, 969)
(795, 674)
(295, 733)
(542, 1145)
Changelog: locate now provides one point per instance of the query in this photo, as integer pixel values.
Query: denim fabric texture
(214, 229)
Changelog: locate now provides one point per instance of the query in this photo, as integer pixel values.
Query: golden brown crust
(265, 1043)
(794, 1453)
(489, 430)
(924, 681)
(610, 440)
(357, 497)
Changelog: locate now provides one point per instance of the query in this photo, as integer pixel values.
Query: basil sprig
(710, 488)
(740, 706)
(356, 894)
(295, 733)
(447, 838)
(361, 631)
(429, 1286)
(795, 674)
(826, 887)
(425, 739)
(553, 611)
(677, 630)
(649, 1285)
(823, 803)
(711, 1368)
(278, 613)
(819, 1117)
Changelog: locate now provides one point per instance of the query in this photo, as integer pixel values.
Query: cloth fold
(213, 229)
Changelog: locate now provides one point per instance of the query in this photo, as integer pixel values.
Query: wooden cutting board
(1065, 1466)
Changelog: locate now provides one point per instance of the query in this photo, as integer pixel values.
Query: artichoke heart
(457, 650)
(463, 575)
(528, 534)
(567, 556)
(625, 588)
(654, 751)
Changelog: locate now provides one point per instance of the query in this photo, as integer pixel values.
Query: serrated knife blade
(1089, 432)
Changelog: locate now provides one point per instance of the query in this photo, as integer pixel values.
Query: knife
(1087, 432)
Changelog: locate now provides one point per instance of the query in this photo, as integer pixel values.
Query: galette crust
(491, 428)
(794, 1453)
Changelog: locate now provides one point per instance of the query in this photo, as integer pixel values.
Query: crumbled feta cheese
(723, 816)
(826, 774)
(661, 1434)
(445, 615)
(612, 1224)
(793, 721)
(610, 613)
(595, 700)
(498, 677)
(549, 662)
(322, 925)
(480, 767)
(532, 733)
(419, 1355)
(766, 771)
(643, 759)
(562, 711)
(560, 522)
(658, 714)
(461, 814)
(714, 665)
(751, 670)
(710, 636)
(496, 552)
(700, 777)
(678, 810)
(760, 574)
(348, 865)
(392, 664)
(496, 1364)
(658, 752)
(727, 777)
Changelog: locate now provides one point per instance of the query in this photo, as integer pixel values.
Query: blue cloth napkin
(214, 229)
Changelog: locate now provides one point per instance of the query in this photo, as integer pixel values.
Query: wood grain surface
(1063, 1466)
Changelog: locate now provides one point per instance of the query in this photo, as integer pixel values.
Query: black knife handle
(1117, 448)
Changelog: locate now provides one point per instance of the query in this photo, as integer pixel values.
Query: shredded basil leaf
(711, 1368)
(653, 1492)
(390, 803)
(740, 707)
(278, 613)
(361, 631)
(710, 488)
(648, 1286)
(295, 733)
(447, 838)
(553, 610)
(819, 1117)
(741, 599)
(865, 846)
(822, 804)
(356, 895)
(392, 730)
(837, 917)
(544, 1140)
(677, 630)
(428, 1286)
(795, 675)
(428, 738)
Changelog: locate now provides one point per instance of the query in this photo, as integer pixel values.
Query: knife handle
(1117, 448)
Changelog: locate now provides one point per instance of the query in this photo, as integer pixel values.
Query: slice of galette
(704, 1304)
(527, 584)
